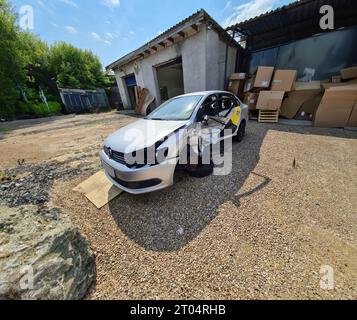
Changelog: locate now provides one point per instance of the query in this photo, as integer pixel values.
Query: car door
(211, 128)
(230, 112)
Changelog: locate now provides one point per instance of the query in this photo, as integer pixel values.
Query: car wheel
(200, 170)
(241, 132)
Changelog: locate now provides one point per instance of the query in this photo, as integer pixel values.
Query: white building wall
(216, 52)
(203, 60)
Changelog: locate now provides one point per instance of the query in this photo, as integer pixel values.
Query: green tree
(11, 63)
(34, 51)
(28, 62)
(75, 68)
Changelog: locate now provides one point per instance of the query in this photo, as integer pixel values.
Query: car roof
(204, 93)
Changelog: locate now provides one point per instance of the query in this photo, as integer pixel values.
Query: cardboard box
(283, 80)
(308, 109)
(337, 107)
(236, 83)
(340, 84)
(312, 85)
(249, 84)
(349, 73)
(238, 76)
(263, 77)
(336, 79)
(270, 100)
(235, 87)
(303, 95)
(251, 99)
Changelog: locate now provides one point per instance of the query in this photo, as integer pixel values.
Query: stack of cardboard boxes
(265, 91)
(331, 103)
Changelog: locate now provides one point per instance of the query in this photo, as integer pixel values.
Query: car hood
(141, 134)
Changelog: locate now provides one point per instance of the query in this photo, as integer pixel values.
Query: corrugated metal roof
(290, 6)
(199, 16)
(294, 21)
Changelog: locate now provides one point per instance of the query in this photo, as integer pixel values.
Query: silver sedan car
(143, 156)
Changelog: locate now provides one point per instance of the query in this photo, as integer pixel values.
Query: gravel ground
(264, 231)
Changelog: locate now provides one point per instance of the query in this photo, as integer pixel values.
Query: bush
(41, 109)
(7, 112)
(33, 109)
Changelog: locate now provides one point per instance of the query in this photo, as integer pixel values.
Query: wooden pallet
(266, 116)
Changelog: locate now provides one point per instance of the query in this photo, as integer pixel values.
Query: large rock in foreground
(41, 258)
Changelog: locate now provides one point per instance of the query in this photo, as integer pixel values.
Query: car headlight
(106, 150)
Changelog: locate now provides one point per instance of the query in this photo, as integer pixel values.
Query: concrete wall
(216, 52)
(203, 61)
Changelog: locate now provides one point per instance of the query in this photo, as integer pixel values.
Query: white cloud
(109, 36)
(132, 33)
(70, 3)
(104, 39)
(111, 3)
(71, 30)
(95, 36)
(248, 10)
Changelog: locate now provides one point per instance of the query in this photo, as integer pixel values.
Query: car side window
(209, 108)
(226, 102)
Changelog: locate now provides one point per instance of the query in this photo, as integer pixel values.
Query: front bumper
(139, 181)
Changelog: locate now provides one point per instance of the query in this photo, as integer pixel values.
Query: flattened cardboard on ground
(352, 122)
(283, 80)
(270, 100)
(98, 189)
(251, 99)
(349, 73)
(304, 92)
(263, 77)
(336, 107)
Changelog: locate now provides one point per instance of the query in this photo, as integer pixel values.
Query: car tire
(201, 170)
(241, 132)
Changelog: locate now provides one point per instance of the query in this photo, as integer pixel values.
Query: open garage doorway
(170, 79)
(131, 87)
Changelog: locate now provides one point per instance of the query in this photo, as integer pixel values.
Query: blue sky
(112, 28)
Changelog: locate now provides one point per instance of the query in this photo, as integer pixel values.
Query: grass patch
(5, 129)
(3, 176)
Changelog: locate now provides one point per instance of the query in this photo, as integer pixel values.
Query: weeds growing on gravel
(3, 176)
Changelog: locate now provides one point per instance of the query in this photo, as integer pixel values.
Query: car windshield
(176, 109)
